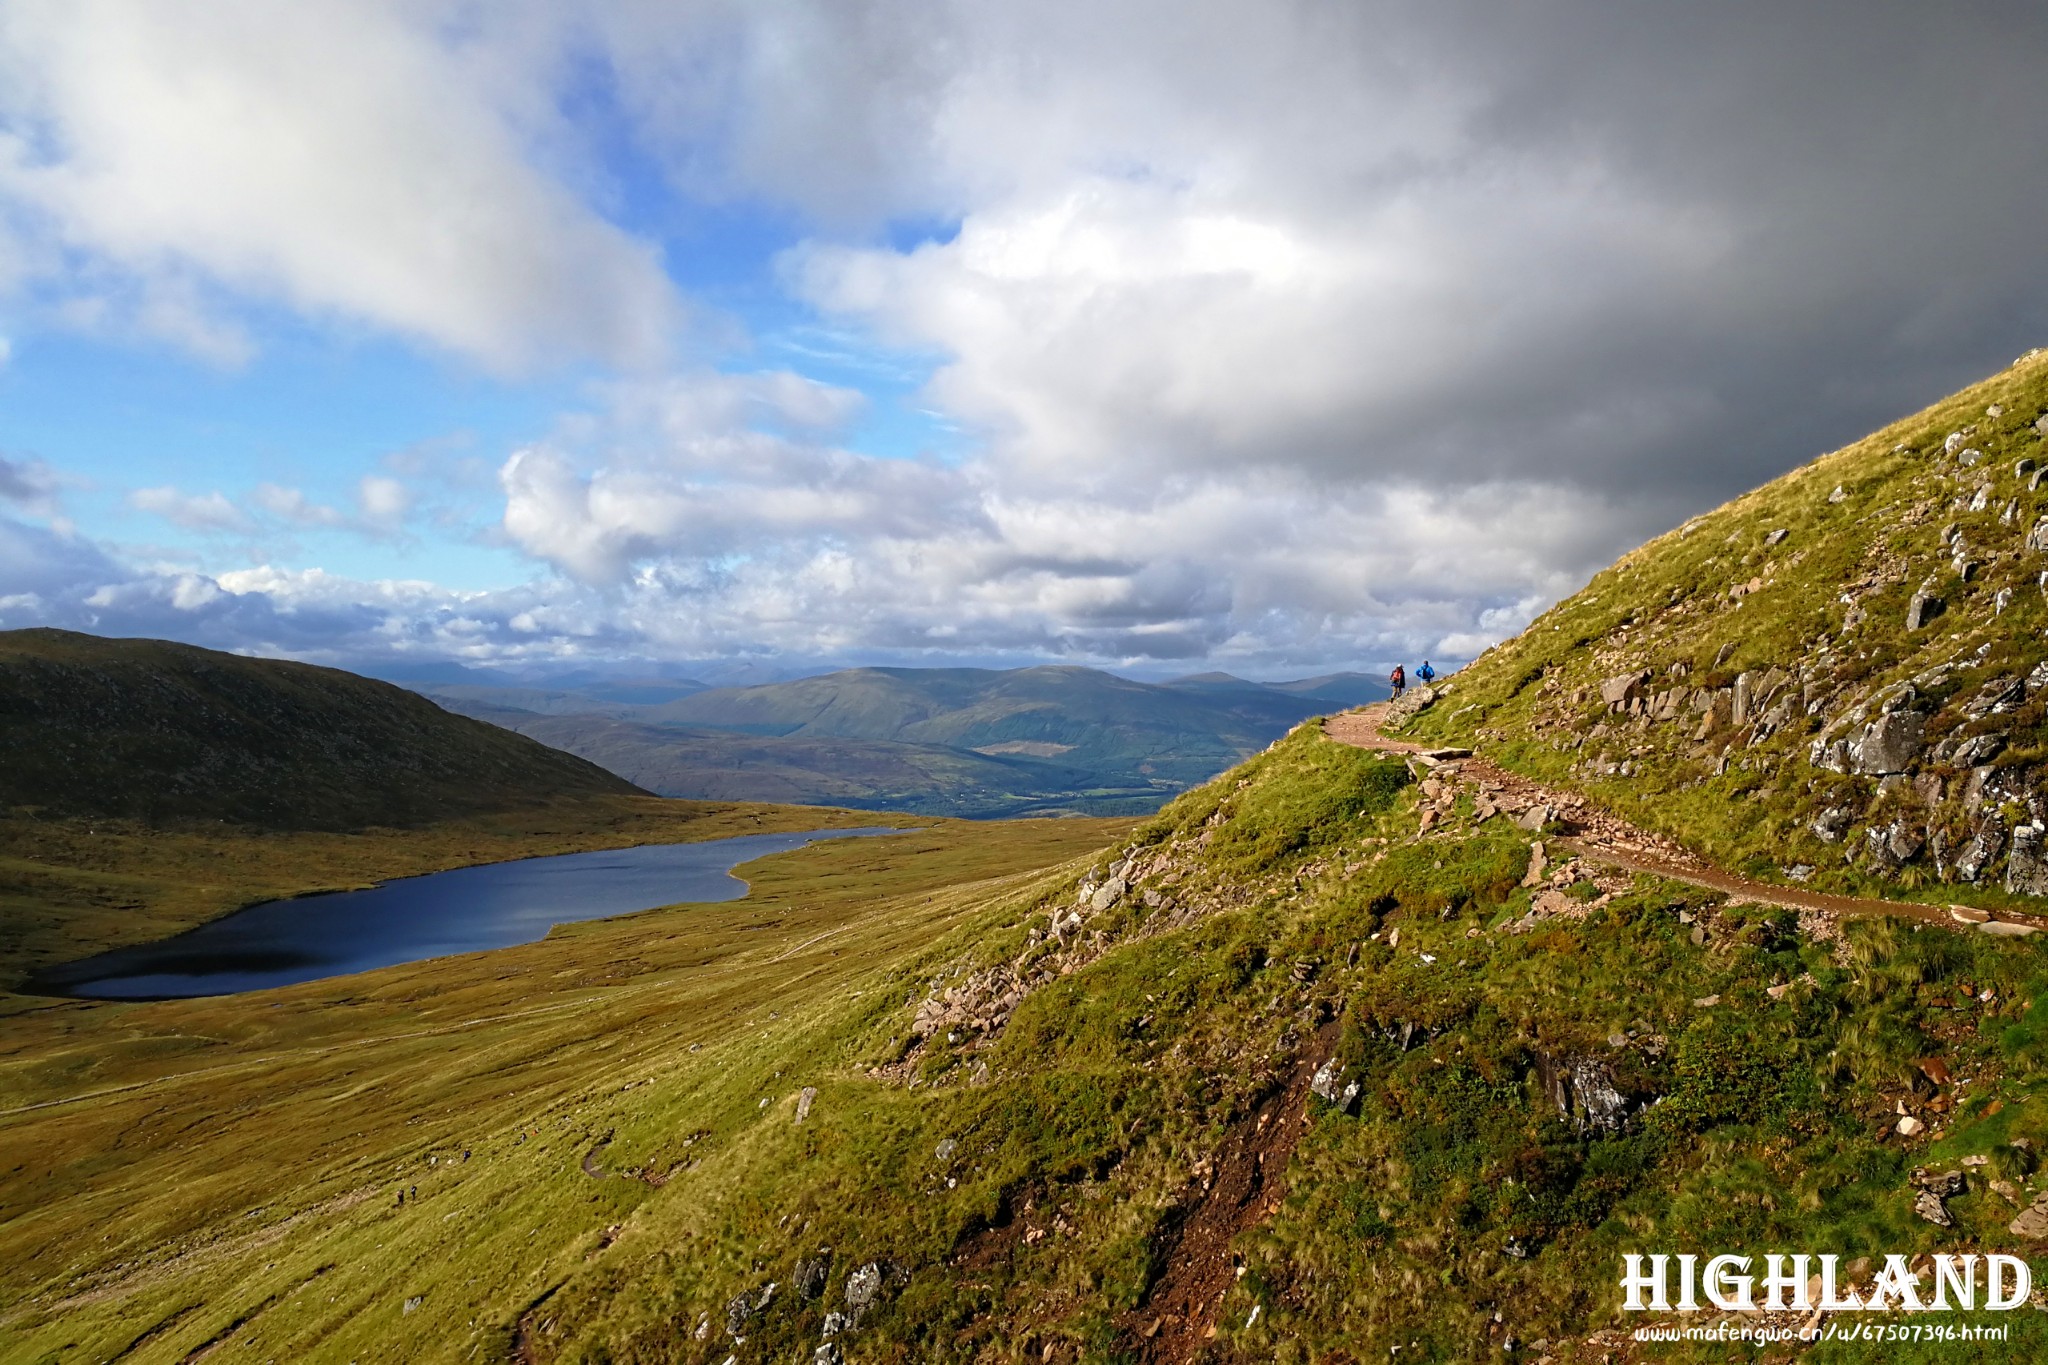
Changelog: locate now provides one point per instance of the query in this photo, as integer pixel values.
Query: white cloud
(365, 161)
(211, 512)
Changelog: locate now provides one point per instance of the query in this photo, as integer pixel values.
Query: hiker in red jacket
(1398, 680)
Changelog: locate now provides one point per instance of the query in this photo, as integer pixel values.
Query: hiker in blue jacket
(1426, 673)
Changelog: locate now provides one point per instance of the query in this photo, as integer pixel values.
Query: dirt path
(1605, 837)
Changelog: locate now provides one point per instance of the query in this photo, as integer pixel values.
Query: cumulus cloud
(367, 162)
(1278, 331)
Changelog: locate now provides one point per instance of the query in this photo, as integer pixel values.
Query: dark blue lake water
(281, 943)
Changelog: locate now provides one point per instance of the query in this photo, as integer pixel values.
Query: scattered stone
(944, 1151)
(1839, 494)
(804, 1099)
(2037, 539)
(1706, 1002)
(828, 1353)
(1799, 872)
(1539, 864)
(1995, 410)
(1968, 914)
(1776, 537)
(1536, 817)
(1953, 443)
(414, 1302)
(1909, 1127)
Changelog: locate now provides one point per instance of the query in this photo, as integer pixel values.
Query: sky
(1247, 334)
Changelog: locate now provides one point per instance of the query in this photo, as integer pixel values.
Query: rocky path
(1602, 836)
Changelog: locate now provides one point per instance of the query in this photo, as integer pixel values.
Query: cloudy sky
(1250, 334)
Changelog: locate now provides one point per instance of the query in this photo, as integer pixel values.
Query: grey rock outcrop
(1982, 851)
(1923, 608)
(2026, 870)
(1891, 743)
(1583, 1089)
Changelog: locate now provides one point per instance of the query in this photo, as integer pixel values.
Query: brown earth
(1602, 836)
(1239, 1187)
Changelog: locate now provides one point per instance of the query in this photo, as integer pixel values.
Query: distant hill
(952, 741)
(718, 765)
(152, 730)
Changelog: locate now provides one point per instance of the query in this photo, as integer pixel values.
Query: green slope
(152, 730)
(1016, 1135)
(1775, 707)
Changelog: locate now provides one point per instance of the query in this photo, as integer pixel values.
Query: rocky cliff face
(1841, 677)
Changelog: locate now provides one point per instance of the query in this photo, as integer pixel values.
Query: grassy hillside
(1054, 1117)
(1837, 678)
(154, 731)
(926, 779)
(225, 1173)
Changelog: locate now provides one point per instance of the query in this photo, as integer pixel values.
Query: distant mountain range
(938, 741)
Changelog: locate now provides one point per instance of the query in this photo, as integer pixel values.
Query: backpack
(1400, 677)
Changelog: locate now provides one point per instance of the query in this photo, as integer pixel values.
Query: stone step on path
(1603, 836)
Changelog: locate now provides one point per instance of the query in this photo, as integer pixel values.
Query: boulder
(1891, 743)
(828, 1353)
(1108, 894)
(2026, 870)
(2032, 1223)
(1929, 1206)
(812, 1274)
(1617, 692)
(1330, 1084)
(2038, 678)
(1839, 494)
(804, 1099)
(1924, 607)
(2037, 539)
(1776, 537)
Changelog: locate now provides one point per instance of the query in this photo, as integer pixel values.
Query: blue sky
(1275, 338)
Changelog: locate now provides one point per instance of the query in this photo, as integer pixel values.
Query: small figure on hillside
(1426, 673)
(1398, 680)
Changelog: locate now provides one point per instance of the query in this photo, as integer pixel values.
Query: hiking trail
(1602, 836)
